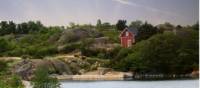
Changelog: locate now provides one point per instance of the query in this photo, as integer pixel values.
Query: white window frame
(129, 42)
(127, 33)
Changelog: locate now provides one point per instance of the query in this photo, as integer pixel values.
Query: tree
(146, 31)
(4, 27)
(189, 50)
(11, 27)
(42, 80)
(122, 53)
(22, 28)
(106, 25)
(32, 26)
(98, 25)
(165, 27)
(195, 26)
(121, 24)
(163, 48)
(72, 25)
(179, 27)
(136, 24)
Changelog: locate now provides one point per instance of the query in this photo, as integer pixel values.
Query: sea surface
(132, 84)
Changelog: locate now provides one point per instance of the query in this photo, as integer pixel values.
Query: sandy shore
(90, 77)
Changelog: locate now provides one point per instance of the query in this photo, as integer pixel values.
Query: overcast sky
(61, 12)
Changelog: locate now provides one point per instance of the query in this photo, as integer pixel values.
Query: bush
(69, 48)
(113, 35)
(4, 46)
(16, 82)
(10, 81)
(101, 55)
(42, 80)
(3, 66)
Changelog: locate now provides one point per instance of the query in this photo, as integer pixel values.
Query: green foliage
(127, 56)
(10, 81)
(165, 27)
(98, 25)
(70, 47)
(72, 25)
(3, 66)
(42, 80)
(112, 34)
(7, 27)
(106, 26)
(23, 28)
(4, 46)
(122, 53)
(160, 53)
(121, 24)
(16, 82)
(118, 57)
(101, 55)
(189, 50)
(146, 31)
(195, 26)
(163, 53)
(136, 24)
(36, 43)
(85, 47)
(153, 53)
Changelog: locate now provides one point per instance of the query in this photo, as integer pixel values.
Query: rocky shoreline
(74, 68)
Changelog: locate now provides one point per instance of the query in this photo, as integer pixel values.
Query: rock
(82, 71)
(103, 71)
(61, 67)
(73, 35)
(26, 68)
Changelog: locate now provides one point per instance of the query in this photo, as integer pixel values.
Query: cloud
(126, 2)
(133, 4)
(123, 2)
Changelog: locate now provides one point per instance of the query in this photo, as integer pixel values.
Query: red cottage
(127, 37)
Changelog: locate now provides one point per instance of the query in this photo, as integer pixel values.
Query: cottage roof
(131, 30)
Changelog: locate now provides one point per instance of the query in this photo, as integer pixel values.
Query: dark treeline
(22, 28)
(9, 27)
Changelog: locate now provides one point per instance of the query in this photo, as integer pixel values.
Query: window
(126, 33)
(129, 42)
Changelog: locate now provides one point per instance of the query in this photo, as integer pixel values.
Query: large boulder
(26, 68)
(73, 35)
(61, 67)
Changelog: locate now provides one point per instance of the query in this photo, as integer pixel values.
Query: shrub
(16, 82)
(42, 80)
(101, 55)
(3, 66)
(69, 48)
(4, 46)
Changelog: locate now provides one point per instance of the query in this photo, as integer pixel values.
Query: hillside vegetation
(164, 48)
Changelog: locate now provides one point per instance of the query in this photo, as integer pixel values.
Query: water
(131, 84)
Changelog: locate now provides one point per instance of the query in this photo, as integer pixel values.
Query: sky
(62, 12)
